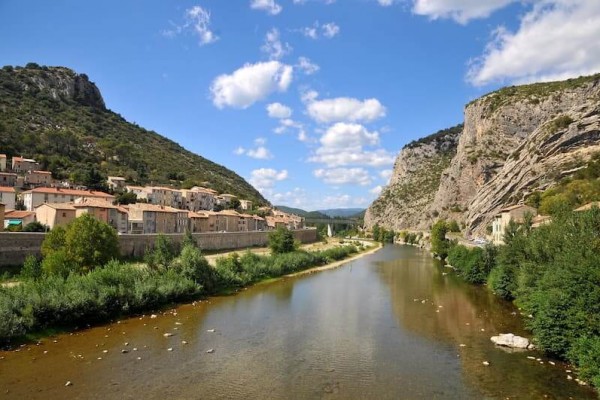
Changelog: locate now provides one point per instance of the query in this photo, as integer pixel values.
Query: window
(64, 215)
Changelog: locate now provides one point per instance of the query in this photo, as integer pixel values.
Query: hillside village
(29, 195)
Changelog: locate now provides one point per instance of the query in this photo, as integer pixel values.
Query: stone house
(8, 179)
(116, 182)
(259, 223)
(35, 197)
(55, 214)
(22, 165)
(8, 196)
(225, 199)
(198, 198)
(16, 217)
(104, 211)
(514, 213)
(38, 178)
(198, 222)
(245, 205)
(228, 221)
(151, 218)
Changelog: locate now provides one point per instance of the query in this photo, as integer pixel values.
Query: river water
(390, 325)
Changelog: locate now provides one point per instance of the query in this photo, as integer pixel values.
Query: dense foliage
(383, 235)
(58, 117)
(553, 273)
(439, 244)
(282, 241)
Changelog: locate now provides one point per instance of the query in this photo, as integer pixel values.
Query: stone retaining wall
(14, 247)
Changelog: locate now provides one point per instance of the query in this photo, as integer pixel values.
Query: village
(28, 195)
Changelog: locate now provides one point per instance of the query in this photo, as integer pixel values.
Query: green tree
(162, 254)
(54, 241)
(376, 232)
(194, 266)
(453, 226)
(35, 226)
(126, 198)
(439, 243)
(282, 241)
(91, 243)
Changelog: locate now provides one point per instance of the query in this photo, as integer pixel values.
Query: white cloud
(307, 66)
(278, 110)
(250, 83)
(462, 11)
(197, 22)
(270, 6)
(345, 109)
(337, 201)
(385, 3)
(308, 96)
(265, 178)
(556, 39)
(274, 47)
(344, 176)
(376, 190)
(344, 144)
(328, 30)
(259, 152)
(386, 174)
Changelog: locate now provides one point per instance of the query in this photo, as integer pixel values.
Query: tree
(282, 241)
(439, 243)
(126, 198)
(36, 226)
(54, 241)
(234, 204)
(91, 243)
(453, 226)
(162, 254)
(376, 232)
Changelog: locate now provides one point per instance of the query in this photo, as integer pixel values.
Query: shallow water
(387, 326)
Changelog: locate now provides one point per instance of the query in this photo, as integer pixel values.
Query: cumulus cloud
(196, 21)
(462, 11)
(385, 3)
(345, 109)
(250, 83)
(376, 190)
(259, 152)
(278, 110)
(344, 144)
(386, 174)
(344, 176)
(270, 6)
(308, 67)
(273, 45)
(318, 30)
(556, 39)
(265, 178)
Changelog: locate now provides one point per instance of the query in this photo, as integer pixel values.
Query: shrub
(282, 241)
(32, 268)
(91, 243)
(439, 243)
(55, 240)
(192, 265)
(35, 226)
(162, 254)
(59, 263)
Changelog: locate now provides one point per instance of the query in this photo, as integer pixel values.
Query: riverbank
(119, 290)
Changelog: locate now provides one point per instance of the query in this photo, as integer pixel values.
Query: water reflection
(352, 333)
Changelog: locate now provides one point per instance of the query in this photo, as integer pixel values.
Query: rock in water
(512, 341)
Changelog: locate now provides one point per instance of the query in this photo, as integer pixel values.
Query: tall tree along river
(390, 325)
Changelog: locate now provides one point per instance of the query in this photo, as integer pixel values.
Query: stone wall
(14, 247)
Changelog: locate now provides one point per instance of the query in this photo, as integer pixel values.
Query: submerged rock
(512, 341)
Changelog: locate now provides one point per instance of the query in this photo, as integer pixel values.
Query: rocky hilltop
(515, 141)
(59, 117)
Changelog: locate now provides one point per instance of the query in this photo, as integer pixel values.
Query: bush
(59, 263)
(35, 226)
(192, 265)
(439, 243)
(32, 268)
(162, 254)
(91, 243)
(473, 264)
(282, 241)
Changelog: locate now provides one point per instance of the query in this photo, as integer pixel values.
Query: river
(390, 325)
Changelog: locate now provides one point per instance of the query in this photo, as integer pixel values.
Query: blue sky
(309, 100)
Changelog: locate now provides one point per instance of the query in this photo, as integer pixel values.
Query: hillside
(515, 141)
(59, 118)
(302, 213)
(343, 212)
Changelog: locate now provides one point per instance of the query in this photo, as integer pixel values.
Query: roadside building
(514, 213)
(18, 218)
(151, 218)
(38, 196)
(8, 196)
(104, 211)
(228, 221)
(22, 165)
(55, 214)
(8, 179)
(38, 178)
(116, 182)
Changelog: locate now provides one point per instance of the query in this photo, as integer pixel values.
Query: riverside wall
(14, 247)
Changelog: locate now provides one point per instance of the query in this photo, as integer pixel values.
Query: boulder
(512, 341)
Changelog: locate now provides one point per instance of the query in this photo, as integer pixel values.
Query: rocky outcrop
(414, 182)
(515, 141)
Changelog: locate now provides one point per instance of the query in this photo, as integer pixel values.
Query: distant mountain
(302, 213)
(58, 117)
(343, 212)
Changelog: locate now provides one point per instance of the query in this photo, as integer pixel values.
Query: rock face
(512, 341)
(515, 141)
(414, 182)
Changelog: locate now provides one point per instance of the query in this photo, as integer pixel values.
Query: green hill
(303, 213)
(59, 118)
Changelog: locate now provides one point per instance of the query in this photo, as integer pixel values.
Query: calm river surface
(387, 326)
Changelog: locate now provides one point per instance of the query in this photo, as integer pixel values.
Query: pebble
(170, 349)
(184, 342)
(135, 349)
(210, 330)
(168, 334)
(99, 358)
(569, 377)
(486, 363)
(551, 363)
(178, 323)
(105, 351)
(69, 383)
(153, 316)
(139, 358)
(210, 350)
(124, 351)
(462, 345)
(45, 351)
(531, 358)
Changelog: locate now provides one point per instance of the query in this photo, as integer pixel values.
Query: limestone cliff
(514, 141)
(414, 182)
